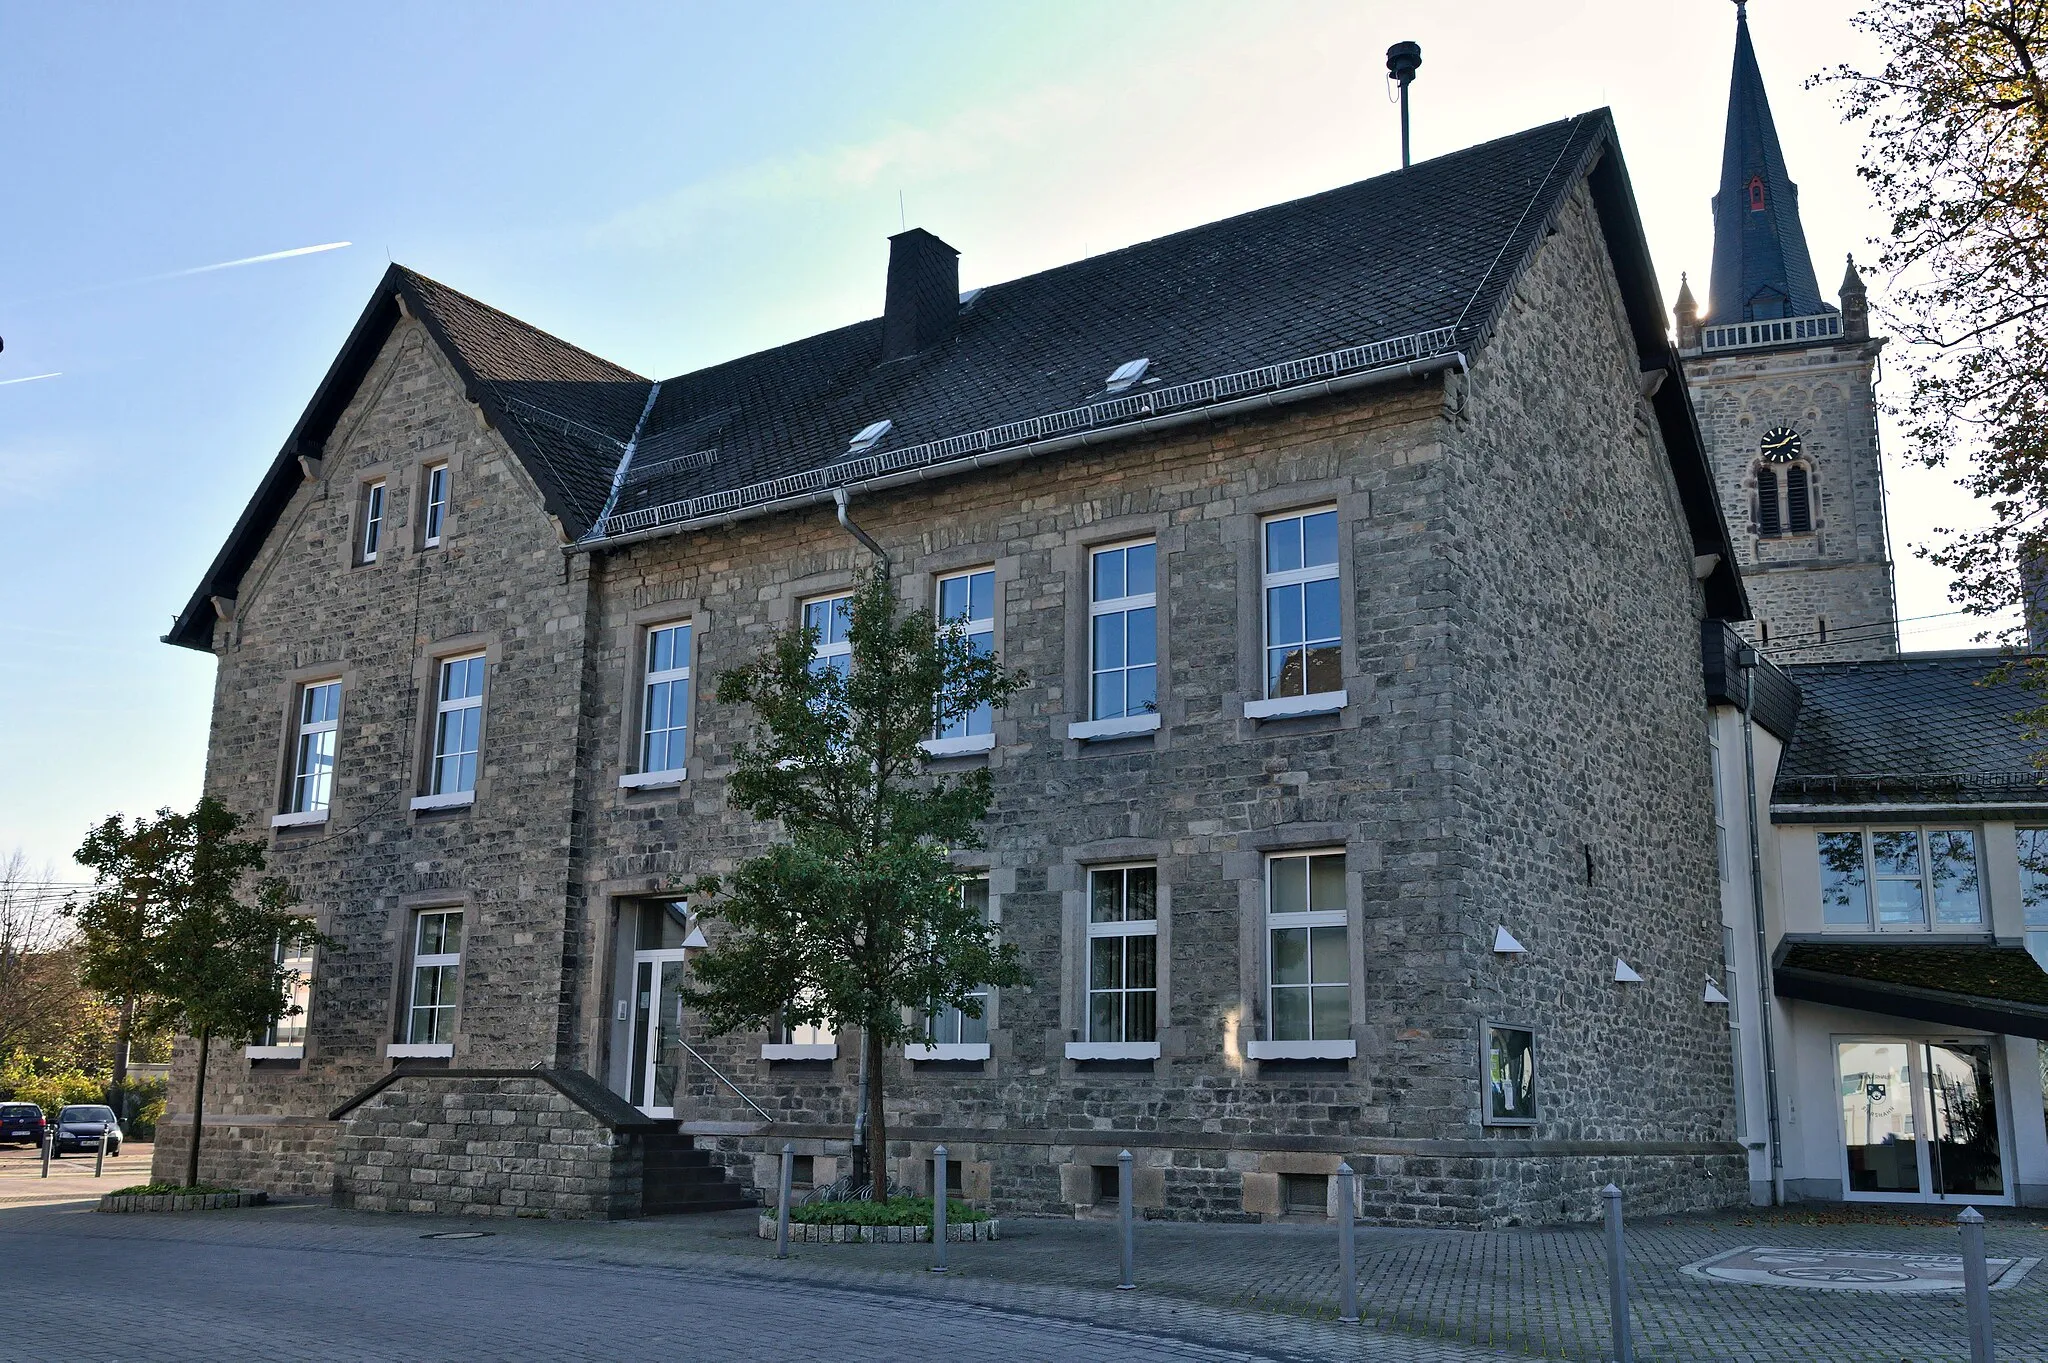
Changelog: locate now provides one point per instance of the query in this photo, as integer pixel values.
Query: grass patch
(170, 1190)
(897, 1211)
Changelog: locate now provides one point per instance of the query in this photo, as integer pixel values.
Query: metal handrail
(728, 1083)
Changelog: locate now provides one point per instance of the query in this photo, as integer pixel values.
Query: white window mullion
(458, 725)
(372, 538)
(319, 716)
(966, 600)
(1302, 605)
(436, 505)
(665, 702)
(1123, 631)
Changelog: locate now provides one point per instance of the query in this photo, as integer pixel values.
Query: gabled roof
(1913, 730)
(1757, 251)
(1355, 281)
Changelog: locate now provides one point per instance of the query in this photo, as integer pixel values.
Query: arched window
(1756, 194)
(1798, 501)
(1768, 523)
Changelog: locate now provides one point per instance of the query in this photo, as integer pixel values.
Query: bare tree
(40, 994)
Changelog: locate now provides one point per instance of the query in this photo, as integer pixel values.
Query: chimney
(923, 302)
(1855, 305)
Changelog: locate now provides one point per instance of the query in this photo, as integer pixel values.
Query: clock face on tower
(1781, 445)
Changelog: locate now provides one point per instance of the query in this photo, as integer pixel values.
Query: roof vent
(923, 301)
(968, 296)
(869, 436)
(1127, 374)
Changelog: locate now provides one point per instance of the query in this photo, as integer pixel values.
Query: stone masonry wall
(1841, 573)
(1522, 681)
(476, 1147)
(498, 582)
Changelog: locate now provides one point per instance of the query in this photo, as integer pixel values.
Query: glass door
(1920, 1121)
(657, 1031)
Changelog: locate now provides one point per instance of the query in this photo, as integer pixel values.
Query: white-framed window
(665, 702)
(967, 600)
(802, 1042)
(2033, 854)
(1900, 879)
(832, 618)
(372, 537)
(1304, 619)
(954, 1035)
(1123, 631)
(436, 978)
(433, 505)
(1308, 956)
(458, 725)
(319, 715)
(286, 1037)
(1123, 954)
(1720, 799)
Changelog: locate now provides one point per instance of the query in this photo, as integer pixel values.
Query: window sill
(956, 1050)
(455, 800)
(274, 1052)
(1126, 726)
(1113, 1050)
(1301, 1050)
(419, 1050)
(304, 820)
(776, 1050)
(1286, 707)
(646, 780)
(958, 747)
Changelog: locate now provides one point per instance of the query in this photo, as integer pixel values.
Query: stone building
(1357, 549)
(1784, 385)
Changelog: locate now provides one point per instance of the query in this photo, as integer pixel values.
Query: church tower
(1784, 385)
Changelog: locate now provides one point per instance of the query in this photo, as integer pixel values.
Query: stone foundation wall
(287, 1155)
(465, 1145)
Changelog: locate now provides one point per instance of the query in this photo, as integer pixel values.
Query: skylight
(1127, 374)
(870, 436)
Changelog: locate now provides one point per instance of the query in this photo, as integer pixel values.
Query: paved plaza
(233, 1285)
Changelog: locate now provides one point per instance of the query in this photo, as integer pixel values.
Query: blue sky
(670, 185)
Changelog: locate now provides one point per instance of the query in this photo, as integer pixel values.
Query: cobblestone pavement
(1262, 1291)
(21, 1180)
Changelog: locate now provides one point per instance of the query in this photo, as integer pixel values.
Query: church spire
(1761, 266)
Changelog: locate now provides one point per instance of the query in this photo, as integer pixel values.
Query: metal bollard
(99, 1161)
(1617, 1278)
(782, 1205)
(939, 1209)
(49, 1147)
(1976, 1285)
(1123, 1215)
(1347, 1245)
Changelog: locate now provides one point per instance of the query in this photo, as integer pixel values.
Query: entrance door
(1920, 1121)
(657, 1031)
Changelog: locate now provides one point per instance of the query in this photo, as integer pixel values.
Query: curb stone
(179, 1202)
(889, 1235)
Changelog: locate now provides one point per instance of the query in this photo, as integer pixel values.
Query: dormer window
(869, 436)
(1756, 194)
(1127, 375)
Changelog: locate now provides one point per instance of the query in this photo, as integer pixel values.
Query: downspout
(1748, 660)
(860, 1108)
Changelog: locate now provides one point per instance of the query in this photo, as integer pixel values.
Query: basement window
(1108, 1185)
(869, 436)
(1127, 374)
(1305, 1193)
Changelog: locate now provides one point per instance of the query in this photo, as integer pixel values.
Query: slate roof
(1757, 251)
(1968, 984)
(1928, 729)
(1423, 258)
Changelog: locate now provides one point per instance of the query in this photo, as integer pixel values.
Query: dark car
(79, 1128)
(21, 1122)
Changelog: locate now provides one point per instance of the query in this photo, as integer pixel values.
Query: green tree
(855, 916)
(1956, 154)
(182, 915)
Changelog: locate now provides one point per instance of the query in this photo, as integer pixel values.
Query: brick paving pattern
(1205, 1291)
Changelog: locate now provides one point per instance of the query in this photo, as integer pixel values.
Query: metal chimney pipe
(1403, 59)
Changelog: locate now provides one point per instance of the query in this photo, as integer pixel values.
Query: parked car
(79, 1128)
(22, 1122)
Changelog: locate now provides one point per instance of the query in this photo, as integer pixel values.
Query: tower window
(1756, 194)
(1798, 501)
(1768, 523)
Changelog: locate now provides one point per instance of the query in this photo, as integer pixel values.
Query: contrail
(55, 374)
(251, 260)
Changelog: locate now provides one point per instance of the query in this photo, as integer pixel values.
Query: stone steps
(676, 1177)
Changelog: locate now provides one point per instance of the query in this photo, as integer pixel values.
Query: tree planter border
(179, 1202)
(800, 1233)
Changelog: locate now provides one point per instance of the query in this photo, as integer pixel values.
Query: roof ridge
(409, 276)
